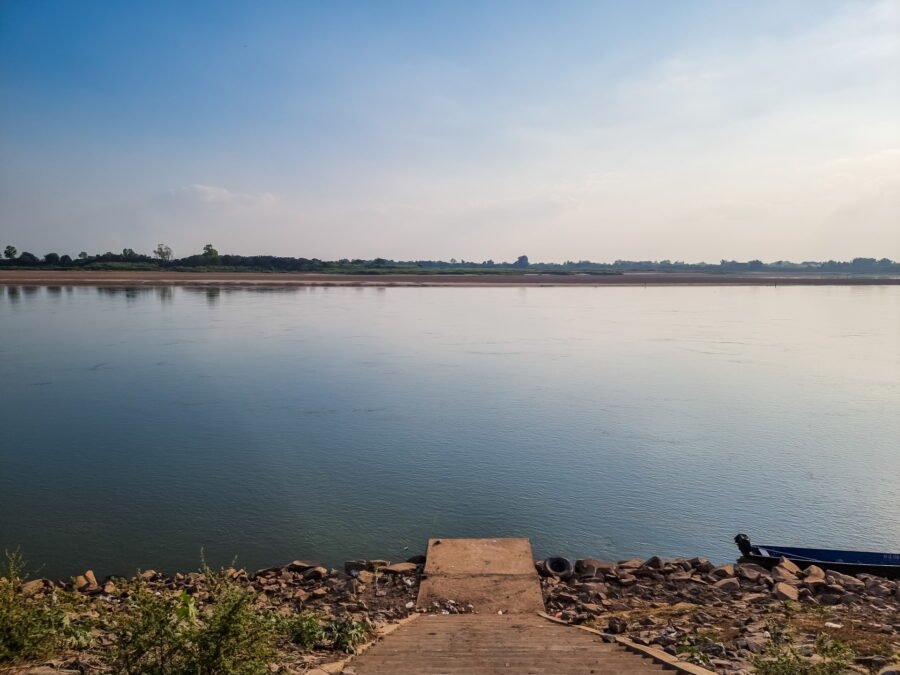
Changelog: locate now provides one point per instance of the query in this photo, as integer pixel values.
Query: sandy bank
(140, 278)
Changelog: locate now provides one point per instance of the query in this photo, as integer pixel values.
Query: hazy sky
(561, 130)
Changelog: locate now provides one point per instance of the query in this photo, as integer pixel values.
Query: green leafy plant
(694, 653)
(30, 627)
(346, 635)
(163, 633)
(341, 634)
(784, 659)
(304, 630)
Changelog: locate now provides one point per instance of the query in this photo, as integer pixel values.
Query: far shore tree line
(209, 259)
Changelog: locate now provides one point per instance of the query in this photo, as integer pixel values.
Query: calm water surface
(139, 425)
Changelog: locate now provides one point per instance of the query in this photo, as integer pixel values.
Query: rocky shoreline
(728, 618)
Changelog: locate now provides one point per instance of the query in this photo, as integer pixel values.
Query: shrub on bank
(143, 628)
(34, 627)
(168, 634)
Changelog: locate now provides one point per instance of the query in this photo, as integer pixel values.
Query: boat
(846, 562)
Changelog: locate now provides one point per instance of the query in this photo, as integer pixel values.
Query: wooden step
(478, 644)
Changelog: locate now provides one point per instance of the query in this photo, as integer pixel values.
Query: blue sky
(682, 130)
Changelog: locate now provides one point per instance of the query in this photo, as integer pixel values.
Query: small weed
(304, 630)
(311, 632)
(693, 653)
(784, 659)
(346, 635)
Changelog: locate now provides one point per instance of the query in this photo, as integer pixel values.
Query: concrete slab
(492, 575)
(480, 556)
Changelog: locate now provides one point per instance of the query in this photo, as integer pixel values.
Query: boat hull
(886, 565)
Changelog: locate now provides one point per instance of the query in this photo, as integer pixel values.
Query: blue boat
(846, 562)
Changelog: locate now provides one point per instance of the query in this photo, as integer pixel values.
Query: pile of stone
(721, 615)
(376, 591)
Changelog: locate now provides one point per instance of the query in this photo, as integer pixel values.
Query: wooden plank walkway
(506, 636)
(513, 644)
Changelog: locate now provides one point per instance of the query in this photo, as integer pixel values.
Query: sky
(593, 130)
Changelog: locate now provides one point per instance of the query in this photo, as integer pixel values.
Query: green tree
(82, 256)
(10, 252)
(52, 258)
(128, 253)
(163, 252)
(210, 252)
(522, 261)
(65, 259)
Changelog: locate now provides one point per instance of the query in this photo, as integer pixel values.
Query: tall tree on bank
(163, 252)
(10, 252)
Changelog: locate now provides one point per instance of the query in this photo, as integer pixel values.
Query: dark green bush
(160, 633)
(31, 627)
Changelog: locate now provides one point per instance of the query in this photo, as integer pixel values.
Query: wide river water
(138, 426)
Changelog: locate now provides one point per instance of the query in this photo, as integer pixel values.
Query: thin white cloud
(214, 196)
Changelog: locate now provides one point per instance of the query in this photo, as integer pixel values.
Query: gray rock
(784, 591)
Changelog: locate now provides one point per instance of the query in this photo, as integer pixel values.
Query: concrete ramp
(506, 636)
(492, 575)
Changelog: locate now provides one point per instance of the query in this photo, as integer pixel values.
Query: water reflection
(165, 294)
(353, 423)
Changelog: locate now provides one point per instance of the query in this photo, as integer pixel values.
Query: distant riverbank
(163, 278)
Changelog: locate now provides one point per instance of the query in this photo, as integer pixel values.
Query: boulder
(400, 568)
(314, 573)
(789, 566)
(723, 571)
(632, 564)
(849, 583)
(351, 566)
(617, 625)
(782, 573)
(32, 587)
(729, 584)
(756, 644)
(814, 572)
(701, 564)
(680, 576)
(593, 567)
(300, 565)
(784, 591)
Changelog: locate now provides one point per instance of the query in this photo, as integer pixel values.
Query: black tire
(558, 566)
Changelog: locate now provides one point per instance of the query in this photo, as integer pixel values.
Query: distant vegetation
(209, 260)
